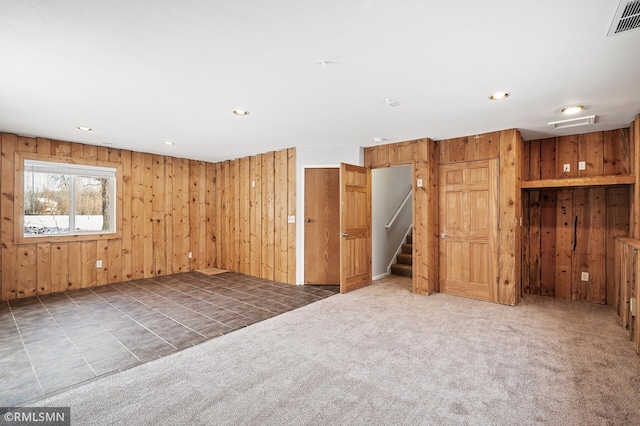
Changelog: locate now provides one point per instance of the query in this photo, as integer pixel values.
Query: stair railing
(393, 219)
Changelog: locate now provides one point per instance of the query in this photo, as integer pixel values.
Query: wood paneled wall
(422, 154)
(605, 153)
(426, 154)
(170, 207)
(627, 285)
(568, 231)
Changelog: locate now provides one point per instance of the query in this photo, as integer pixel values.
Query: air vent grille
(574, 122)
(627, 17)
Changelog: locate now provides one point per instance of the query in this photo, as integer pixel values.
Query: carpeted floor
(381, 355)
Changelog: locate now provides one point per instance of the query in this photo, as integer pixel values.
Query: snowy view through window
(65, 200)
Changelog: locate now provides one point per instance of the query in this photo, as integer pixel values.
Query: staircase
(404, 259)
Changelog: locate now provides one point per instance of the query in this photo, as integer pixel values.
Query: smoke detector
(627, 17)
(574, 122)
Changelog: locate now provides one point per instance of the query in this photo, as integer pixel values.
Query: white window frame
(72, 167)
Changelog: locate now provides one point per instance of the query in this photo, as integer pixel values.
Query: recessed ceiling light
(169, 143)
(240, 112)
(498, 96)
(391, 102)
(378, 140)
(572, 109)
(84, 128)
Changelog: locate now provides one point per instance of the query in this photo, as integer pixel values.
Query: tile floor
(52, 342)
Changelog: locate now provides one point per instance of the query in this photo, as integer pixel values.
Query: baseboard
(381, 276)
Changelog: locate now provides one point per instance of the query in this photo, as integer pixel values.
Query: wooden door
(355, 227)
(469, 229)
(322, 226)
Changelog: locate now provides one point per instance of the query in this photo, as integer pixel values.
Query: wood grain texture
(160, 220)
(291, 209)
(548, 205)
(564, 240)
(509, 213)
(597, 277)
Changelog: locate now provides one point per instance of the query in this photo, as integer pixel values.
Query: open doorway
(391, 223)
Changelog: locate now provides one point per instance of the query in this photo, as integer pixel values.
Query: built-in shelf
(585, 181)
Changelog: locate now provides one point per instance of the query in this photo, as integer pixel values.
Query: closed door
(322, 226)
(355, 227)
(469, 229)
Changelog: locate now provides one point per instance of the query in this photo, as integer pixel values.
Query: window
(68, 199)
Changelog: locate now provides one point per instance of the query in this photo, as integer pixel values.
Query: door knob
(342, 234)
(443, 235)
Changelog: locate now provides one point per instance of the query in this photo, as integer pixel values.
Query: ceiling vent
(574, 122)
(627, 17)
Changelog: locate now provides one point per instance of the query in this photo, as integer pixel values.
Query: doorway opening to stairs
(391, 221)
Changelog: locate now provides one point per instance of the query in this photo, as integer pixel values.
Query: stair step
(407, 248)
(410, 239)
(405, 259)
(404, 270)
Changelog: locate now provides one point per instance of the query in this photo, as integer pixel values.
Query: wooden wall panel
(244, 226)
(600, 214)
(233, 243)
(255, 224)
(628, 279)
(281, 246)
(291, 209)
(425, 218)
(268, 212)
(217, 230)
(169, 207)
(509, 215)
(210, 171)
(127, 228)
(8, 148)
(377, 156)
(605, 154)
(567, 153)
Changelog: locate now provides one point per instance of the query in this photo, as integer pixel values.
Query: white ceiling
(141, 72)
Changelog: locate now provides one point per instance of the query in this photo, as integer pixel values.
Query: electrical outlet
(291, 219)
(566, 168)
(585, 276)
(582, 165)
(253, 183)
(419, 183)
(190, 255)
(98, 263)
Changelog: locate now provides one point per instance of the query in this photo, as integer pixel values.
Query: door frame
(300, 217)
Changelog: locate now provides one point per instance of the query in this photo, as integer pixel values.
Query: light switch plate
(98, 263)
(419, 183)
(291, 219)
(582, 165)
(585, 276)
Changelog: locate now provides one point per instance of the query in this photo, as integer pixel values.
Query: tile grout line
(202, 300)
(162, 313)
(227, 297)
(24, 345)
(131, 318)
(99, 325)
(66, 335)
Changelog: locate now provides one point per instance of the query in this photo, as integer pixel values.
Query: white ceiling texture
(311, 73)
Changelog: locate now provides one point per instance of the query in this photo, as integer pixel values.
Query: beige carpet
(383, 356)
